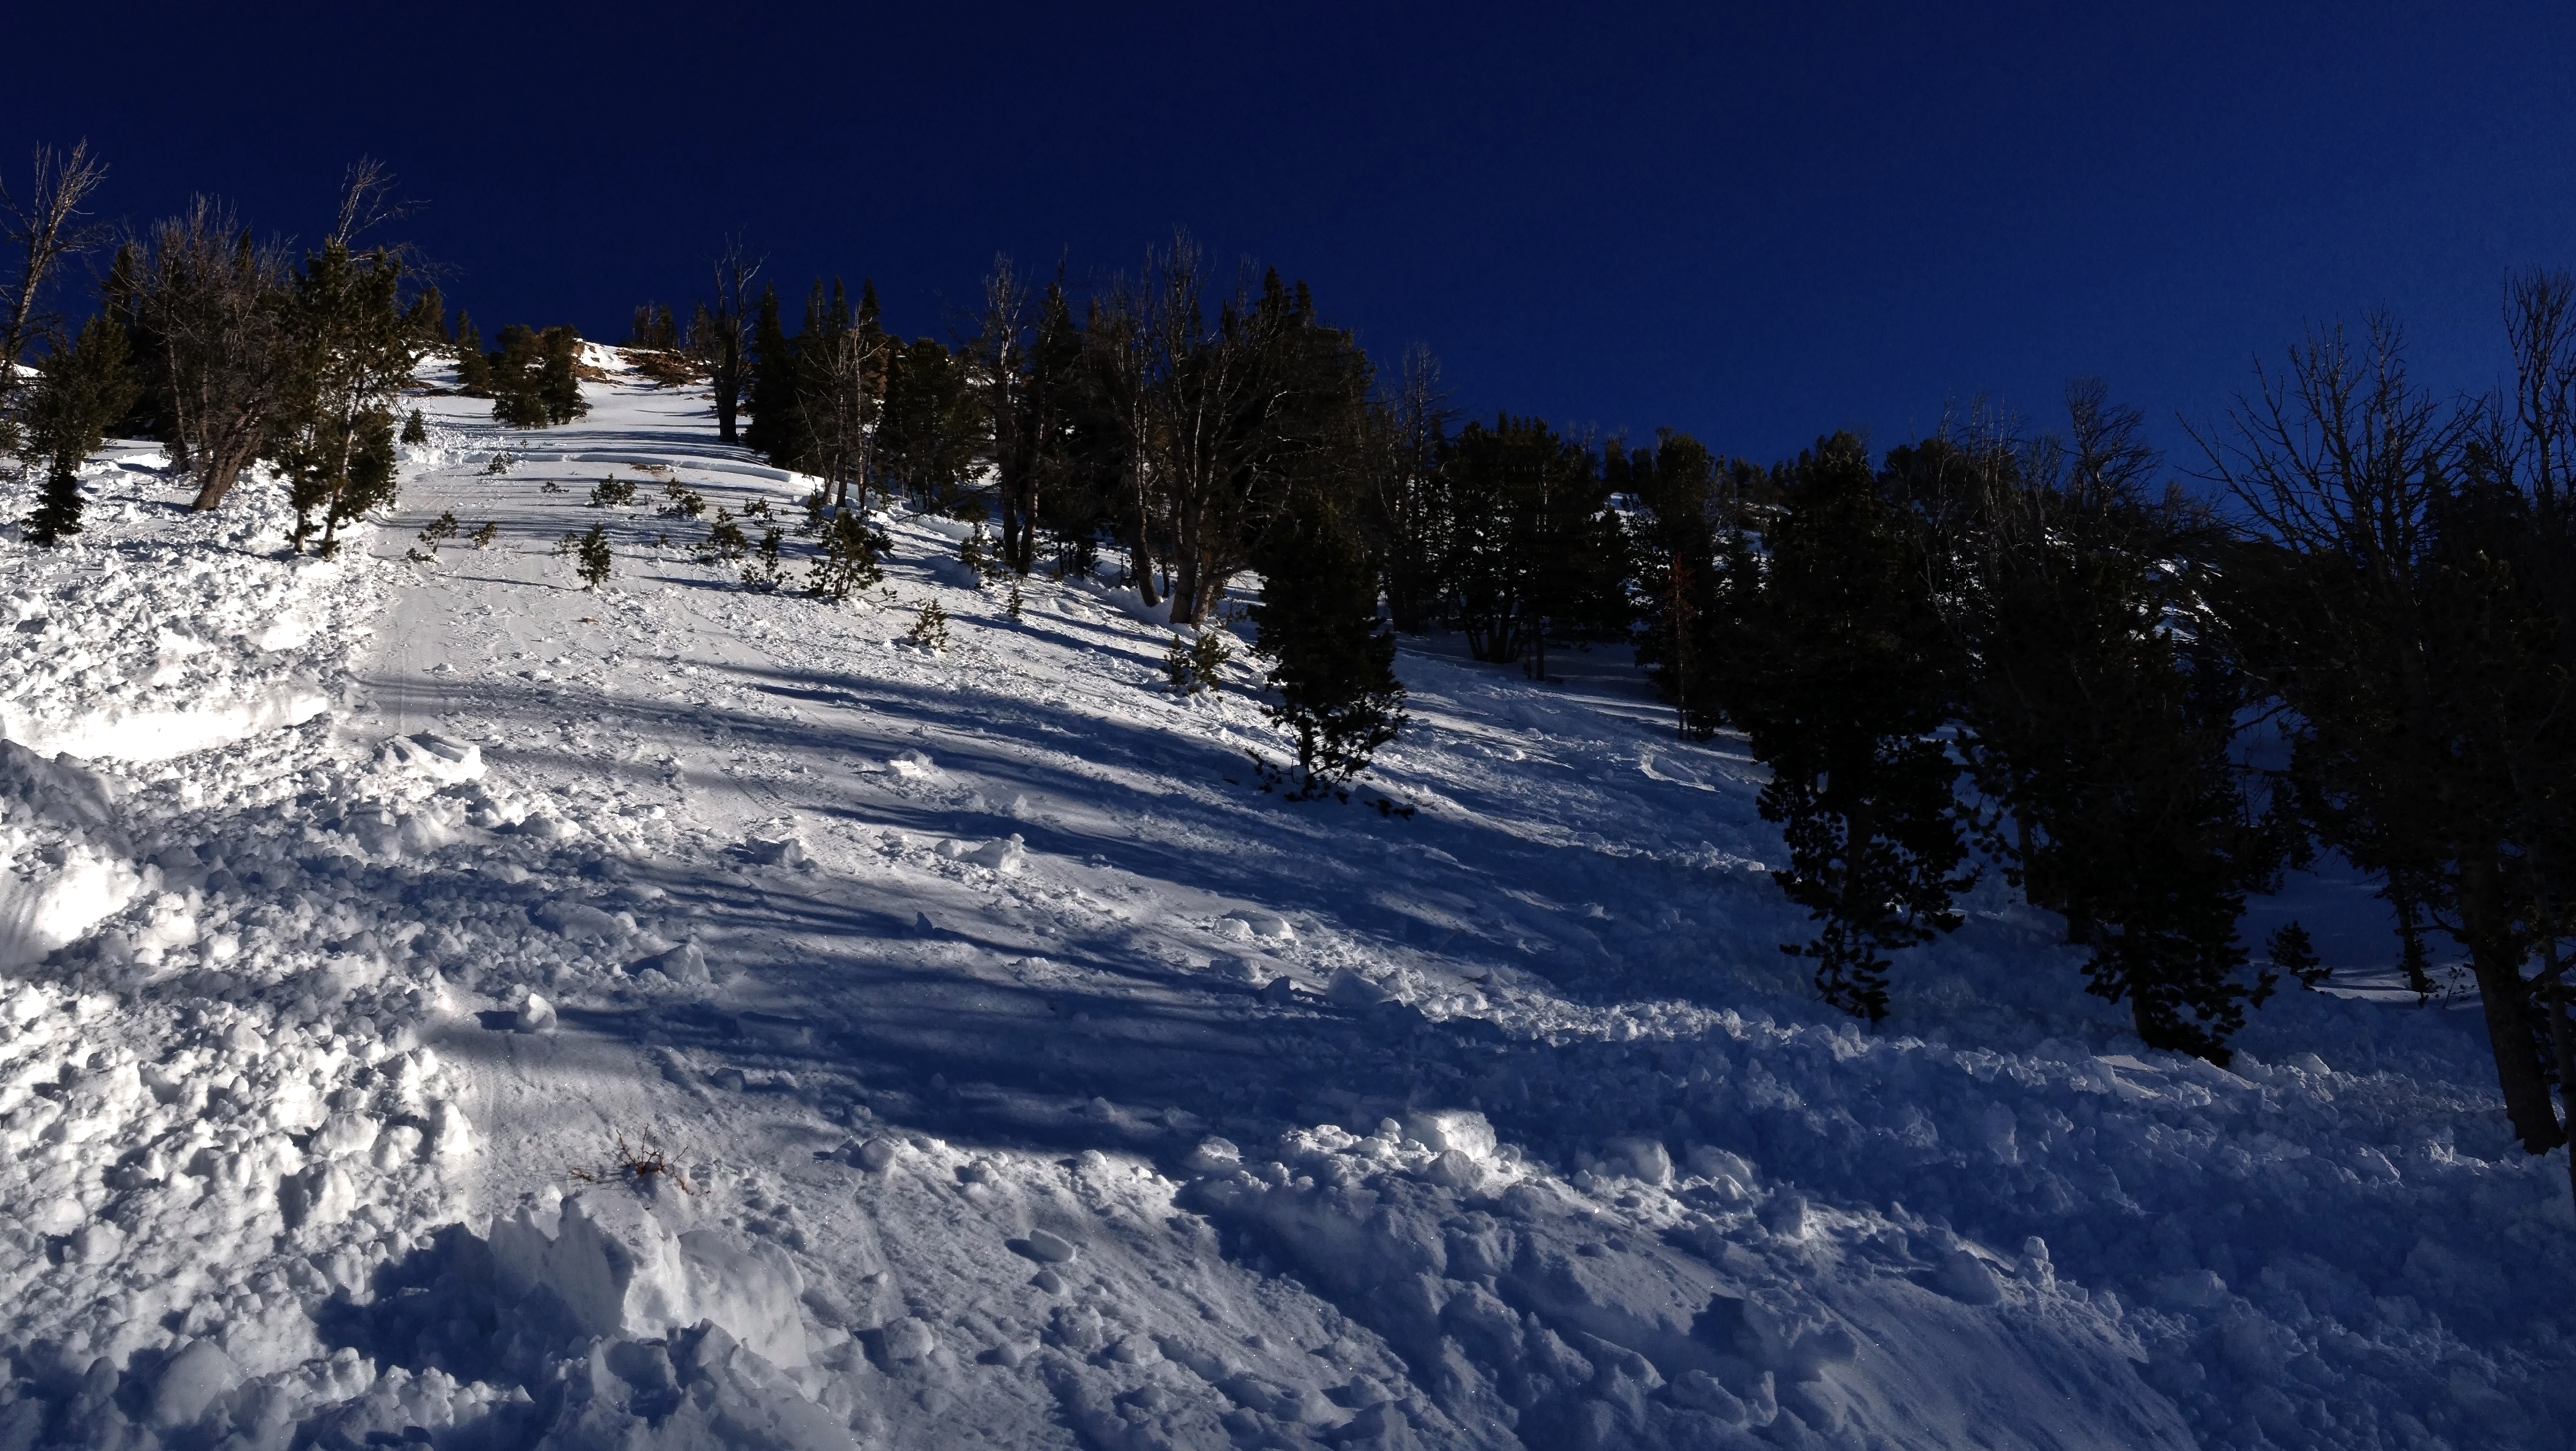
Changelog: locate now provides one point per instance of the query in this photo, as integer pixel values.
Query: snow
(443, 1003)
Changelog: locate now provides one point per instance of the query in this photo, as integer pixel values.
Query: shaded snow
(673, 1015)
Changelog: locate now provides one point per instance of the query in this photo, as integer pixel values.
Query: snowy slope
(1023, 1076)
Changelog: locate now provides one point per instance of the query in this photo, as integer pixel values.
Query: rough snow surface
(446, 1005)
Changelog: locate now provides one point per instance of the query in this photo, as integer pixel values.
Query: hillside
(450, 1003)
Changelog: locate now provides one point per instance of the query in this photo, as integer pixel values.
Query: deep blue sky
(1754, 224)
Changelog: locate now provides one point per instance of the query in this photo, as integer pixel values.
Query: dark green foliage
(725, 542)
(655, 329)
(1331, 662)
(1675, 484)
(426, 320)
(849, 561)
(773, 426)
(534, 377)
(681, 502)
(932, 429)
(612, 492)
(2411, 596)
(1534, 553)
(415, 428)
(589, 554)
(85, 388)
(1835, 667)
(2096, 712)
(929, 628)
(763, 573)
(348, 354)
(1198, 665)
(2292, 953)
(1410, 515)
(473, 368)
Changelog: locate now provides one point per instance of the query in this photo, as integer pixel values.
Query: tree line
(1994, 649)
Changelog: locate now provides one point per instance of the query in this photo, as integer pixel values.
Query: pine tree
(1534, 551)
(1331, 662)
(86, 386)
(1675, 486)
(1834, 666)
(415, 429)
(426, 319)
(2096, 713)
(473, 369)
(559, 377)
(773, 427)
(350, 353)
(849, 561)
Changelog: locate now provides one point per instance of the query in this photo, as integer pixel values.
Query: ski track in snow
(1027, 1077)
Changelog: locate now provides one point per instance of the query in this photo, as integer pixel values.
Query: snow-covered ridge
(675, 1015)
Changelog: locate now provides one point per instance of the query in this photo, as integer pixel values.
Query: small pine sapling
(2295, 954)
(681, 502)
(976, 552)
(84, 389)
(817, 509)
(1176, 668)
(849, 561)
(930, 628)
(501, 462)
(550, 487)
(1011, 606)
(763, 573)
(441, 529)
(1208, 657)
(612, 492)
(485, 537)
(415, 428)
(726, 543)
(589, 553)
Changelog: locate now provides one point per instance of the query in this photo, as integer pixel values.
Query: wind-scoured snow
(443, 1003)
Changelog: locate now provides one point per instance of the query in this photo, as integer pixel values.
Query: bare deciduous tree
(735, 269)
(45, 231)
(210, 306)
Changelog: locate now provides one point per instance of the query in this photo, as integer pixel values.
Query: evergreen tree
(1834, 666)
(1534, 550)
(559, 377)
(2407, 595)
(473, 369)
(426, 319)
(1675, 487)
(773, 386)
(2097, 713)
(1411, 514)
(349, 353)
(534, 377)
(86, 386)
(1331, 662)
(932, 429)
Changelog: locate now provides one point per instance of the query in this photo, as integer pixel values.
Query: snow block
(73, 870)
(1443, 1129)
(189, 1382)
(605, 1264)
(686, 963)
(427, 756)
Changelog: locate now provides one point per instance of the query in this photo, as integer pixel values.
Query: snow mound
(1539, 1316)
(444, 762)
(63, 867)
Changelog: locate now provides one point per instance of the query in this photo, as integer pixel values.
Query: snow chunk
(1446, 1129)
(1269, 926)
(190, 1382)
(1001, 854)
(446, 762)
(913, 766)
